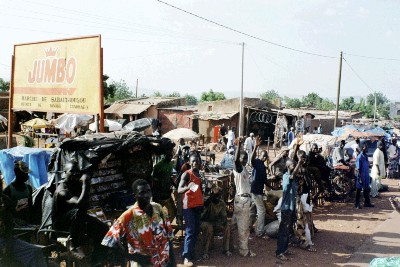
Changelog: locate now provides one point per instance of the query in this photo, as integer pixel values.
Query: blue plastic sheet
(36, 158)
(385, 262)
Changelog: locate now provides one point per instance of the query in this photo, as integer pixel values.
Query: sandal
(311, 248)
(282, 257)
(250, 254)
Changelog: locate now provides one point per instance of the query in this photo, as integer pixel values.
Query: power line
(245, 34)
(359, 77)
(137, 28)
(371, 57)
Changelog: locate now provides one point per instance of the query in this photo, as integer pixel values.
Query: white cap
(251, 134)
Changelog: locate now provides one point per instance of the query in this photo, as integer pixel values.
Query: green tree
(270, 95)
(347, 103)
(311, 100)
(292, 102)
(174, 94)
(326, 104)
(211, 96)
(382, 106)
(4, 85)
(121, 92)
(191, 100)
(157, 94)
(109, 90)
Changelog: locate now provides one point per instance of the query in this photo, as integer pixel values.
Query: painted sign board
(62, 76)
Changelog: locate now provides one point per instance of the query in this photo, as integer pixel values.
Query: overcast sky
(168, 50)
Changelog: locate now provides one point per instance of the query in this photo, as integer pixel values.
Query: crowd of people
(144, 234)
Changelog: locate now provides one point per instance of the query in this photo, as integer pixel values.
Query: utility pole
(241, 115)
(137, 83)
(338, 91)
(375, 107)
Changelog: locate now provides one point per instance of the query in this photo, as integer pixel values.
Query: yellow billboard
(62, 76)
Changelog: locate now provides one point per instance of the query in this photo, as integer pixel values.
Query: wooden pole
(241, 126)
(101, 112)
(338, 91)
(137, 83)
(10, 104)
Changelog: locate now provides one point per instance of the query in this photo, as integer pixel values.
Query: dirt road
(342, 230)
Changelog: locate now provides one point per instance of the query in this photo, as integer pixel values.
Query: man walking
(378, 169)
(249, 145)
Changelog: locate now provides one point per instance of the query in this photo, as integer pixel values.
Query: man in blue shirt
(259, 180)
(288, 207)
(362, 178)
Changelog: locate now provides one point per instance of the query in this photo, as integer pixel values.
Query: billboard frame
(11, 98)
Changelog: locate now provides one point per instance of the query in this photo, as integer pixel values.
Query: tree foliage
(311, 100)
(326, 104)
(120, 90)
(4, 85)
(270, 95)
(157, 94)
(191, 100)
(292, 102)
(211, 96)
(174, 94)
(347, 103)
(109, 90)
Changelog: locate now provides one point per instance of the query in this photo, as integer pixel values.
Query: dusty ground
(342, 230)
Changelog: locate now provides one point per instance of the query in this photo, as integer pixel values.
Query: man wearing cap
(20, 194)
(249, 145)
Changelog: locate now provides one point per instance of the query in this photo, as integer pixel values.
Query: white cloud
(389, 33)
(363, 12)
(330, 12)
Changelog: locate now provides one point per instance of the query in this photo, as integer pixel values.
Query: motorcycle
(341, 182)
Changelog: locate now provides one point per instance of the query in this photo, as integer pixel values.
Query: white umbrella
(112, 125)
(68, 122)
(179, 133)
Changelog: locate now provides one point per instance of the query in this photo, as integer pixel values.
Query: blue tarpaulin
(36, 158)
(360, 132)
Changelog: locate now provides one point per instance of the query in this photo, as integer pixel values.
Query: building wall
(327, 125)
(173, 119)
(206, 128)
(232, 104)
(394, 109)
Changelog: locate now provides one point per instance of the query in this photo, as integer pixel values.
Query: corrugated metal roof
(214, 115)
(126, 109)
(181, 108)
